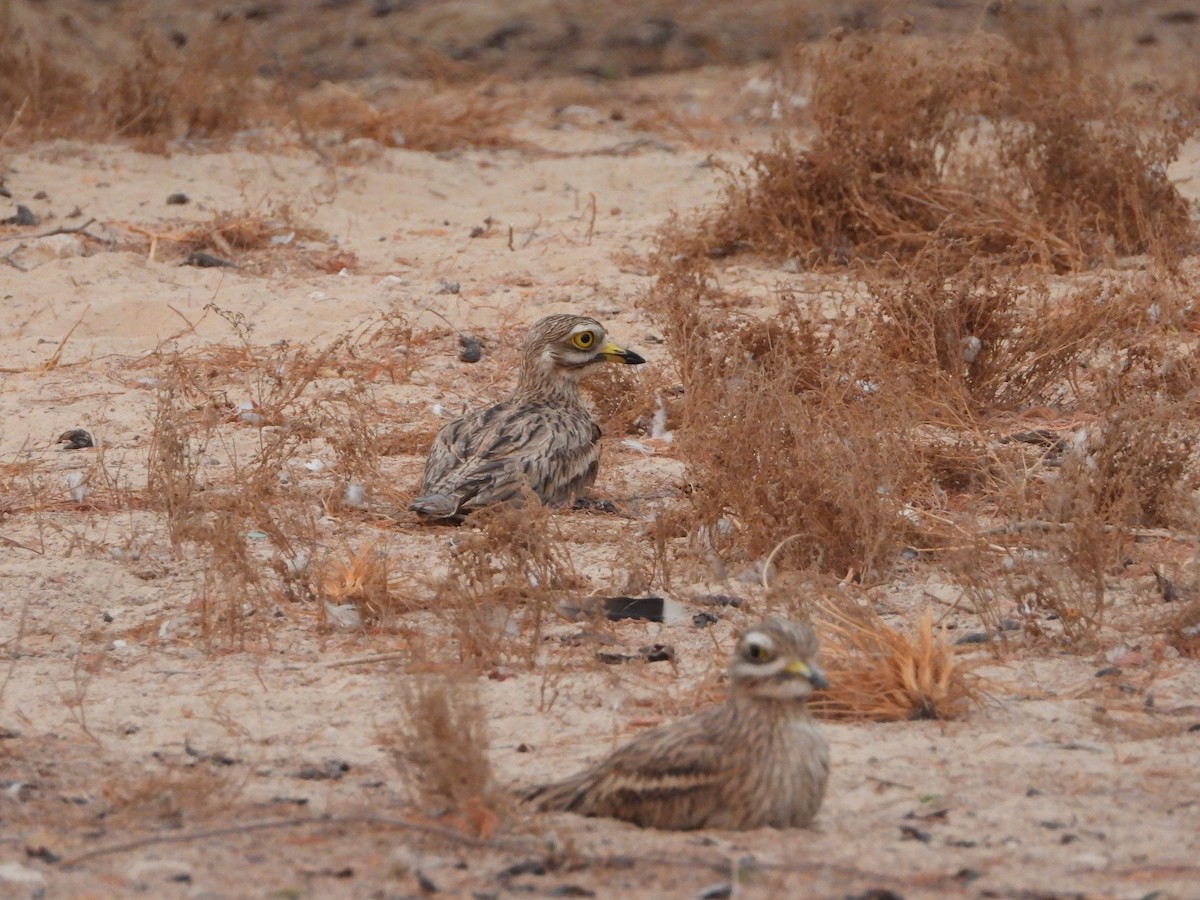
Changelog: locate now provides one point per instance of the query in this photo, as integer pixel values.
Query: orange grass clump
(363, 580)
(879, 674)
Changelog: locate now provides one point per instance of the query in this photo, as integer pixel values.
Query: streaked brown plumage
(542, 437)
(756, 760)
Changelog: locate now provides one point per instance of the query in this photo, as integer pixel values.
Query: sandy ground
(117, 723)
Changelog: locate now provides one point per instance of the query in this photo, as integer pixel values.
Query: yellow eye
(756, 652)
(584, 340)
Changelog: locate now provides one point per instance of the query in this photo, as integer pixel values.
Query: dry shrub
(786, 432)
(413, 119)
(219, 521)
(1091, 159)
(1183, 628)
(877, 673)
(145, 89)
(976, 339)
(36, 89)
(841, 422)
(987, 145)
(222, 514)
(623, 400)
(443, 753)
(1049, 580)
(1136, 466)
(504, 576)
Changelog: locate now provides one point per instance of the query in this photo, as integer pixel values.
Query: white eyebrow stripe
(757, 638)
(774, 667)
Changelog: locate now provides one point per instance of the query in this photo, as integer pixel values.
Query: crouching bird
(541, 438)
(757, 760)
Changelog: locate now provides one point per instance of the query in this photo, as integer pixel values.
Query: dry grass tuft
(1137, 466)
(624, 401)
(415, 119)
(249, 516)
(974, 339)
(877, 419)
(504, 576)
(879, 674)
(175, 797)
(443, 754)
(1183, 629)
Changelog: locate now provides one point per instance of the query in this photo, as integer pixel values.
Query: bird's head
(776, 660)
(568, 346)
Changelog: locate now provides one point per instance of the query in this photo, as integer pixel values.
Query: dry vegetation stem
(531, 846)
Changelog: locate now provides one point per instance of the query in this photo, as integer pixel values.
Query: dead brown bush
(973, 339)
(36, 88)
(206, 89)
(1137, 467)
(624, 401)
(152, 92)
(173, 797)
(850, 423)
(983, 146)
(786, 432)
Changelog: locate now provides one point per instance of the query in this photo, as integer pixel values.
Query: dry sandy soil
(140, 755)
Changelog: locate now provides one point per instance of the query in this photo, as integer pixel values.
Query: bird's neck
(774, 708)
(535, 385)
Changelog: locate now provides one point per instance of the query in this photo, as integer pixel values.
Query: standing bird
(542, 437)
(757, 760)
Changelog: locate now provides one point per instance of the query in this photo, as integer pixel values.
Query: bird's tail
(435, 506)
(560, 796)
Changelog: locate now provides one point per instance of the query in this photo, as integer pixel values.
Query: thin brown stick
(56, 356)
(9, 542)
(62, 229)
(367, 660)
(771, 558)
(1044, 526)
(14, 120)
(591, 217)
(300, 822)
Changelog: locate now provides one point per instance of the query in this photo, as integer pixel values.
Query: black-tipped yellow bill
(619, 354)
(815, 676)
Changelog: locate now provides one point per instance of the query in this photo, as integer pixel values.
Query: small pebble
(24, 216)
(472, 349)
(203, 260)
(75, 439)
(178, 199)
